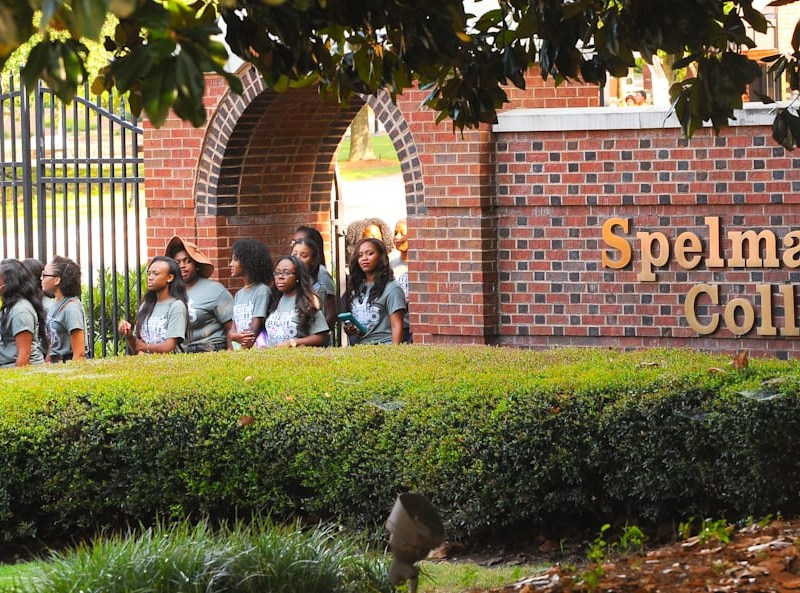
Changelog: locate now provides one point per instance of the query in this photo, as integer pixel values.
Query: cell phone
(345, 317)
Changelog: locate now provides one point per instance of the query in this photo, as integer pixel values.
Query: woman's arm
(330, 310)
(125, 329)
(77, 344)
(248, 339)
(312, 340)
(165, 347)
(397, 326)
(24, 341)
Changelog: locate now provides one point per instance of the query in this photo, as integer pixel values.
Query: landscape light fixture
(415, 528)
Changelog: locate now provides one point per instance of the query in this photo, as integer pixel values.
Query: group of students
(290, 303)
(41, 316)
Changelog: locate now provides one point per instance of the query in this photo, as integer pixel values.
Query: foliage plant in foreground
(499, 440)
(184, 558)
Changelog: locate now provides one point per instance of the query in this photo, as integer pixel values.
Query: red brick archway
(264, 164)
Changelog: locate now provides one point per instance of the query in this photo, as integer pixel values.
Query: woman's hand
(245, 338)
(350, 329)
(124, 328)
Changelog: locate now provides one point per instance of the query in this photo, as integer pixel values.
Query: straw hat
(204, 266)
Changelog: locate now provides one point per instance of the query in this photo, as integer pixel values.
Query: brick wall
(556, 191)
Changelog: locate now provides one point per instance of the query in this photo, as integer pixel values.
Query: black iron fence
(71, 184)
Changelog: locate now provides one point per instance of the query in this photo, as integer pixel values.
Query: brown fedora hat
(176, 244)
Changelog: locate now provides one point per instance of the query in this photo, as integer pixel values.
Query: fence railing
(71, 183)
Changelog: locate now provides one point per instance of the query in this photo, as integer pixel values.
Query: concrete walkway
(383, 197)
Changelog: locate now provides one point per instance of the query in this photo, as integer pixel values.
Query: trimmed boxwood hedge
(498, 439)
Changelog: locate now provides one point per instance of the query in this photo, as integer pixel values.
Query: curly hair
(306, 300)
(255, 260)
(357, 280)
(20, 285)
(355, 232)
(177, 290)
(70, 274)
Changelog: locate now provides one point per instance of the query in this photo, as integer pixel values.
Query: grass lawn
(386, 162)
(11, 574)
(435, 577)
(456, 577)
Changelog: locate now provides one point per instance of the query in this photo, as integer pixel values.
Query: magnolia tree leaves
(162, 49)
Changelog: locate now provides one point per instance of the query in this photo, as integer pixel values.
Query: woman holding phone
(373, 297)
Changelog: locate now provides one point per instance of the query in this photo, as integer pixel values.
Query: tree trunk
(361, 137)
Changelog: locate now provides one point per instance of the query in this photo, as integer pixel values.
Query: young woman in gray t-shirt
(163, 317)
(22, 336)
(252, 262)
(373, 297)
(66, 322)
(295, 316)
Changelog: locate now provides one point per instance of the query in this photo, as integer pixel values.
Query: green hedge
(498, 439)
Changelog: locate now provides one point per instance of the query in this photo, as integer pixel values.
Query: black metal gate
(71, 184)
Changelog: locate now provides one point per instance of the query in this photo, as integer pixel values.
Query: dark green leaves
(190, 85)
(159, 92)
(163, 48)
(786, 129)
(714, 93)
(88, 17)
(60, 64)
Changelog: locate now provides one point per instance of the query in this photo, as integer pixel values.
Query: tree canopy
(162, 48)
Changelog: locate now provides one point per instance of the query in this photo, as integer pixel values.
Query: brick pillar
(453, 271)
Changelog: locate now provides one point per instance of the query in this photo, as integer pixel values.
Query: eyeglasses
(282, 273)
(50, 275)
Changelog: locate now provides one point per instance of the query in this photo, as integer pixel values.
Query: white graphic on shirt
(366, 314)
(155, 330)
(281, 326)
(52, 334)
(243, 316)
(192, 311)
(402, 280)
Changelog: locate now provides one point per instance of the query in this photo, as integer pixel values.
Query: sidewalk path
(383, 197)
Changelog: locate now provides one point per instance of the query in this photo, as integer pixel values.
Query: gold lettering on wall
(753, 241)
(710, 290)
(737, 249)
(616, 242)
(688, 244)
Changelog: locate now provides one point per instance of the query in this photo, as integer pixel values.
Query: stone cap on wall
(615, 118)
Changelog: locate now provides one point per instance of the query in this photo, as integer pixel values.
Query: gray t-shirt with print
(210, 308)
(20, 318)
(168, 320)
(250, 302)
(282, 324)
(64, 317)
(376, 317)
